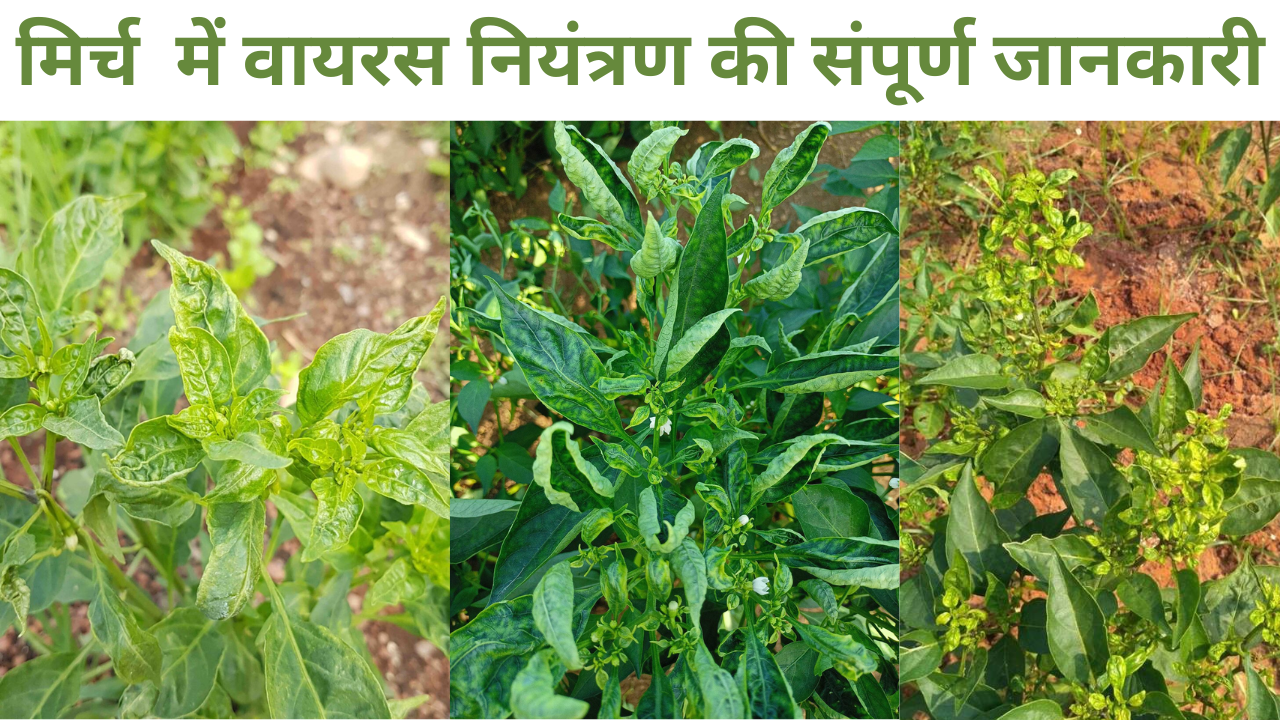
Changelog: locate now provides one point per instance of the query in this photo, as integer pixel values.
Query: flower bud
(743, 519)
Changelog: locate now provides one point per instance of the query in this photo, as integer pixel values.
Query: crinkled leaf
(601, 182)
(553, 613)
(201, 298)
(791, 167)
(235, 535)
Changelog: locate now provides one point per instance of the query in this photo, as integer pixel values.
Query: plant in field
(701, 513)
(355, 471)
(1251, 197)
(1017, 612)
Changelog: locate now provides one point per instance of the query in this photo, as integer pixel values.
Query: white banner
(161, 91)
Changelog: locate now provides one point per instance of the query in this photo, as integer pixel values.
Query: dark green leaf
(1077, 629)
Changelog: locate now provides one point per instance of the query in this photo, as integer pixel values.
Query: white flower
(666, 426)
(894, 482)
(760, 585)
(502, 380)
(743, 519)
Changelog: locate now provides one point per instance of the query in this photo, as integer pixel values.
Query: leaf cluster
(706, 509)
(1011, 604)
(354, 470)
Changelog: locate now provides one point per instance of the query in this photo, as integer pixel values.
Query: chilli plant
(163, 531)
(1095, 610)
(698, 531)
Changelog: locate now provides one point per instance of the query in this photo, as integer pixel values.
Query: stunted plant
(355, 471)
(701, 513)
(1017, 611)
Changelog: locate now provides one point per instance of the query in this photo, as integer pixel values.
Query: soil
(771, 137)
(357, 243)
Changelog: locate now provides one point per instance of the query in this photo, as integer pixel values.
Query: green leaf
(718, 692)
(21, 420)
(880, 147)
(1014, 461)
(237, 482)
(1141, 595)
(472, 399)
(798, 663)
(979, 372)
(696, 338)
(42, 688)
(553, 613)
(373, 370)
(701, 288)
(649, 527)
(248, 448)
(1035, 710)
(402, 482)
(533, 693)
(231, 571)
(829, 511)
(1131, 344)
(486, 654)
(1089, 476)
(1260, 702)
(205, 367)
(134, 652)
(1077, 629)
(476, 524)
(1237, 142)
(647, 160)
(1119, 428)
(70, 256)
(602, 184)
(540, 531)
(921, 659)
(1257, 500)
(192, 650)
(156, 454)
(829, 371)
(400, 583)
(768, 694)
(1188, 584)
(690, 566)
(565, 476)
(730, 154)
(1037, 553)
(595, 231)
(313, 674)
(201, 298)
(835, 233)
(782, 280)
(782, 464)
(338, 511)
(611, 698)
(84, 423)
(19, 313)
(1027, 403)
(558, 364)
(973, 531)
(659, 701)
(850, 657)
(791, 167)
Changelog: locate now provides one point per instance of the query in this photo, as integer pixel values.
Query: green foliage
(355, 471)
(174, 165)
(1251, 196)
(712, 482)
(1011, 607)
